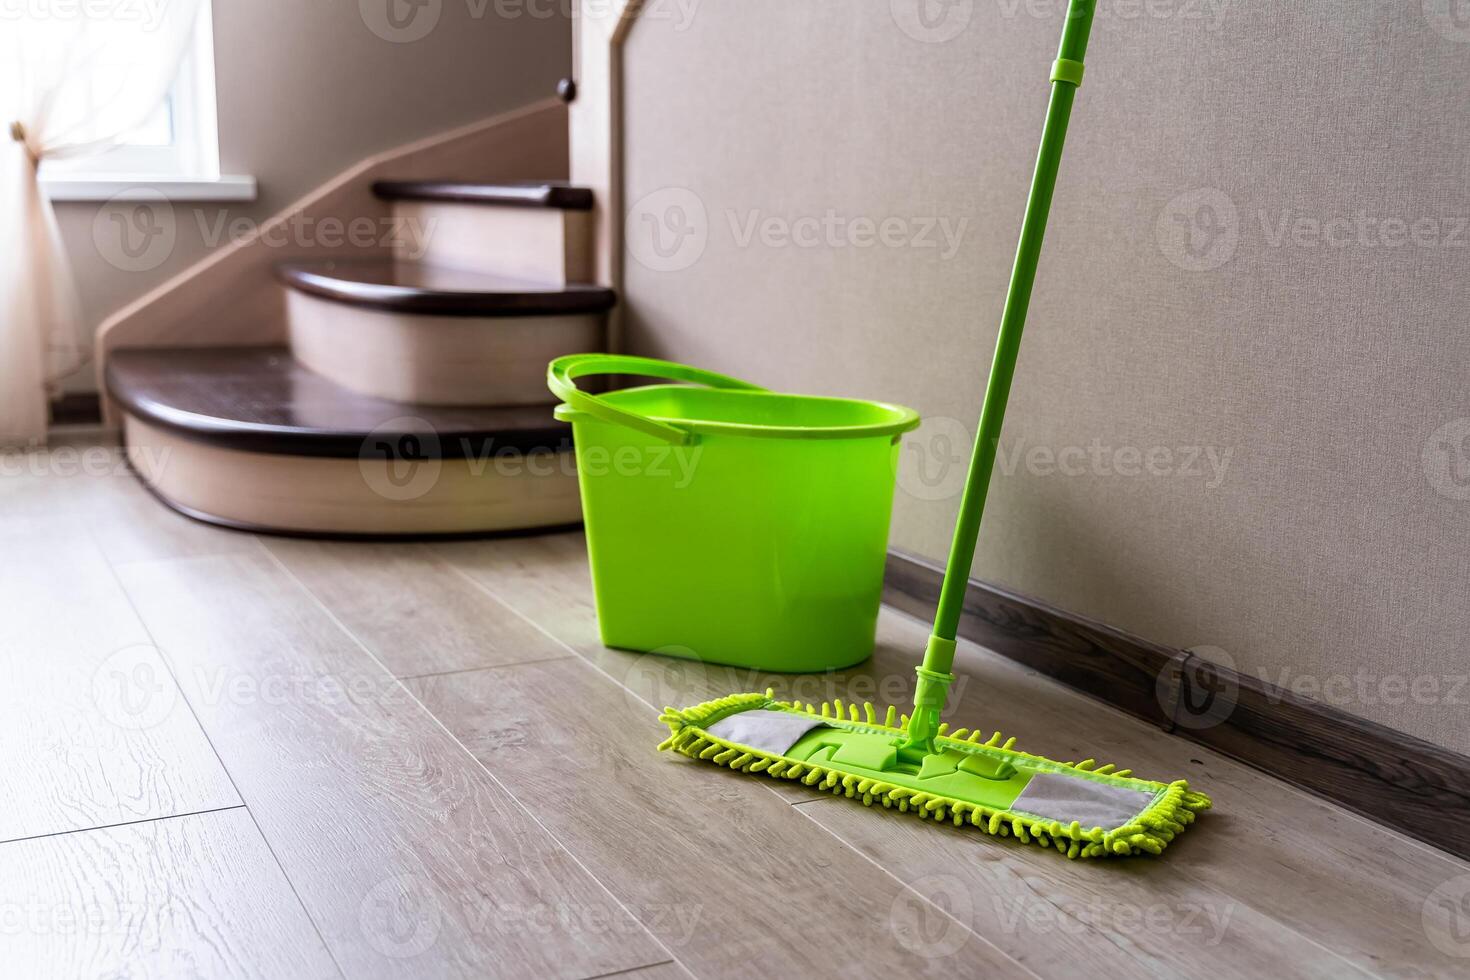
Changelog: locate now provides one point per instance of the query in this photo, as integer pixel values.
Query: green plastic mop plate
(1077, 808)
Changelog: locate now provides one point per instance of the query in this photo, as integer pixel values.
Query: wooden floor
(223, 755)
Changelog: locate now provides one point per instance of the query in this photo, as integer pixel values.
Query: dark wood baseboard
(1387, 776)
(77, 408)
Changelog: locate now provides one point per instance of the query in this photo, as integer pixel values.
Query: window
(177, 147)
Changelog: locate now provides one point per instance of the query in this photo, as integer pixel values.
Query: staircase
(410, 399)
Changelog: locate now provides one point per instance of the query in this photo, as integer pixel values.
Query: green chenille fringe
(1173, 808)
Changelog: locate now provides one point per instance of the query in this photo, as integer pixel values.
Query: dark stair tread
(259, 399)
(527, 194)
(418, 287)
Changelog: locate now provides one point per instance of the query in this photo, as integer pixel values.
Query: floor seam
(631, 969)
(122, 823)
(184, 695)
(476, 670)
(530, 814)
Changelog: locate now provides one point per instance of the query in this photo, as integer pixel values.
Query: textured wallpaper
(1241, 423)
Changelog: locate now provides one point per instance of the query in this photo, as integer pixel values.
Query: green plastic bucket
(730, 524)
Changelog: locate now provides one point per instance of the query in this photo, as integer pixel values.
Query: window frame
(190, 162)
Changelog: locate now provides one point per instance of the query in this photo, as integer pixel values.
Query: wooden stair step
(530, 194)
(259, 399)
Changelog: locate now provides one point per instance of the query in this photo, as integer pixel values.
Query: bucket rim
(903, 419)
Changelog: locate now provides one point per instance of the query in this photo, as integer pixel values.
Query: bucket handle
(562, 373)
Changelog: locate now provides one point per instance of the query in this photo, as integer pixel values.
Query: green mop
(914, 764)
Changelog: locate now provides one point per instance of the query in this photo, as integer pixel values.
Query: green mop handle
(934, 675)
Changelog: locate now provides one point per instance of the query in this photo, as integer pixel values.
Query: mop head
(1080, 809)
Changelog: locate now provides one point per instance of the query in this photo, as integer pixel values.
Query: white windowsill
(227, 187)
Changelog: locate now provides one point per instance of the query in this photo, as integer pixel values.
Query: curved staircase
(411, 398)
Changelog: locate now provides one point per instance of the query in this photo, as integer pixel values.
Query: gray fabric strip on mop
(1068, 798)
(768, 731)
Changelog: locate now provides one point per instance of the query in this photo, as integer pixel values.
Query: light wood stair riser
(365, 496)
(435, 360)
(543, 245)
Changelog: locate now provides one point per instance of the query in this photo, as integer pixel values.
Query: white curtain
(74, 79)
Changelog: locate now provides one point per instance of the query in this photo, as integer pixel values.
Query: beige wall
(307, 89)
(1187, 302)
